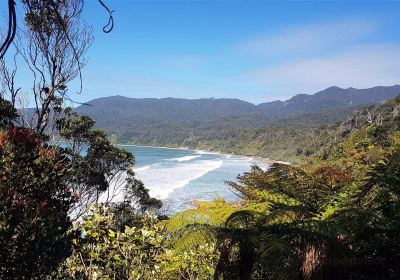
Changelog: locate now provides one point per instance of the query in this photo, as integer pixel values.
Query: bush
(105, 252)
(34, 203)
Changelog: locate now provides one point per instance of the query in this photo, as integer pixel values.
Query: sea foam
(141, 168)
(202, 152)
(163, 179)
(185, 158)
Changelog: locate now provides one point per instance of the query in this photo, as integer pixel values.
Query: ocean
(178, 177)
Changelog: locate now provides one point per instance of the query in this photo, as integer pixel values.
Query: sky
(256, 51)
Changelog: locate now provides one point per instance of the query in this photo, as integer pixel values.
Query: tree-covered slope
(329, 99)
(176, 109)
(279, 130)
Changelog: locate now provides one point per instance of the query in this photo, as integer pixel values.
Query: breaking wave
(185, 158)
(161, 180)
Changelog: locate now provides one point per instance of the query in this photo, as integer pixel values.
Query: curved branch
(12, 27)
(110, 25)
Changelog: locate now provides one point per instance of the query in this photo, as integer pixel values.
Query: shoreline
(149, 146)
(256, 158)
(264, 160)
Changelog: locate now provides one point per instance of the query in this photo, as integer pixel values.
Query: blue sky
(253, 50)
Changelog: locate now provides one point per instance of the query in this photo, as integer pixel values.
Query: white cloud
(309, 58)
(312, 37)
(359, 66)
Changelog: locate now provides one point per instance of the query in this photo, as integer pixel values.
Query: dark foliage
(7, 113)
(34, 205)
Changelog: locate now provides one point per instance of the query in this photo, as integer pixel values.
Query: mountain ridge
(322, 92)
(206, 109)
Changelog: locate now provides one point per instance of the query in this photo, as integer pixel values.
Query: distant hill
(204, 122)
(176, 109)
(329, 99)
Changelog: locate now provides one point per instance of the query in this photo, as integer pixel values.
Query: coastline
(264, 160)
(150, 146)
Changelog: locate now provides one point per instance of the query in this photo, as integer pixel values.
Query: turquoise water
(178, 177)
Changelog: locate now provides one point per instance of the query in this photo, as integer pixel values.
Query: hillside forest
(277, 130)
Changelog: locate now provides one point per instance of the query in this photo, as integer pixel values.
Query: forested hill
(175, 109)
(279, 130)
(329, 99)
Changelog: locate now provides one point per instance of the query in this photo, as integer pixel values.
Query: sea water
(178, 177)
